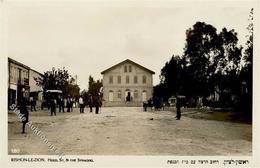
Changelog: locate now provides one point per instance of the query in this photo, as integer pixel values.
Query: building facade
(36, 91)
(18, 81)
(127, 84)
(22, 83)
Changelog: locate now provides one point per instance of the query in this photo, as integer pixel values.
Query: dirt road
(129, 131)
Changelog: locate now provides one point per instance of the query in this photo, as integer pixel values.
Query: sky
(87, 38)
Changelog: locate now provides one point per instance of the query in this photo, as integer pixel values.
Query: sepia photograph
(122, 78)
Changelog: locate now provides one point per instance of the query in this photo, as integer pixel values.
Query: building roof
(128, 61)
(18, 63)
(22, 65)
(36, 72)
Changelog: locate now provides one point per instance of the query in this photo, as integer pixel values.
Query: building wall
(35, 90)
(14, 74)
(18, 79)
(118, 90)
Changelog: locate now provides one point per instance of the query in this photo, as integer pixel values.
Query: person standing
(97, 103)
(32, 103)
(65, 102)
(90, 102)
(71, 104)
(61, 104)
(24, 112)
(144, 106)
(81, 104)
(68, 104)
(178, 109)
(53, 106)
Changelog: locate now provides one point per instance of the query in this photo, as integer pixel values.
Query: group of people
(62, 103)
(155, 103)
(92, 101)
(70, 102)
(158, 104)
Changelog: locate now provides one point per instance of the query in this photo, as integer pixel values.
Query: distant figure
(144, 106)
(65, 102)
(97, 103)
(81, 105)
(90, 102)
(53, 106)
(71, 104)
(178, 109)
(24, 112)
(33, 103)
(61, 104)
(128, 97)
(68, 104)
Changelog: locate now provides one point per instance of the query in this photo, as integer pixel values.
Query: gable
(127, 62)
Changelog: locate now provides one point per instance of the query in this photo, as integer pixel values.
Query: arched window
(127, 95)
(111, 95)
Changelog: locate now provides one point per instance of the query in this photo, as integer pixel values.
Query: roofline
(21, 64)
(128, 60)
(18, 63)
(36, 72)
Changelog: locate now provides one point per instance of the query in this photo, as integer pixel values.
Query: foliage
(58, 79)
(247, 71)
(94, 86)
(211, 63)
(210, 55)
(71, 89)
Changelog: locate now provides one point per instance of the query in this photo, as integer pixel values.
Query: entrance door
(128, 97)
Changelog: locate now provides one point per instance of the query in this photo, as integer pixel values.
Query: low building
(18, 81)
(36, 91)
(22, 83)
(127, 84)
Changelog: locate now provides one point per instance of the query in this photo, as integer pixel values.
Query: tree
(211, 62)
(172, 77)
(94, 86)
(247, 72)
(71, 89)
(58, 79)
(248, 54)
(160, 91)
(53, 80)
(211, 56)
(202, 42)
